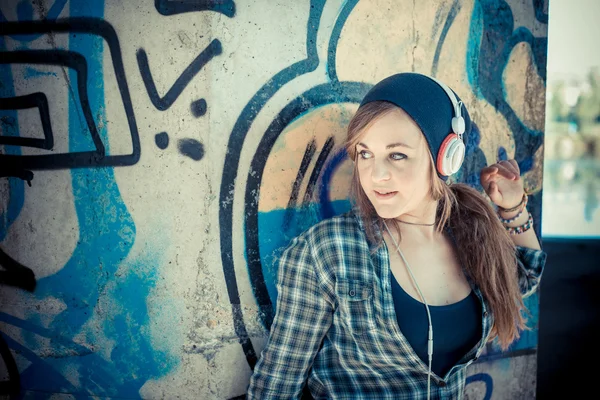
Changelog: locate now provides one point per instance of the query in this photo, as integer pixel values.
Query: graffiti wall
(155, 157)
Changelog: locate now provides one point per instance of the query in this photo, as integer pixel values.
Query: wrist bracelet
(508, 221)
(515, 208)
(513, 219)
(516, 230)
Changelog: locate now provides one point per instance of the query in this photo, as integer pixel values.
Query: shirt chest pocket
(355, 305)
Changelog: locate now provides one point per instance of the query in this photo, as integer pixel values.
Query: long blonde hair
(485, 249)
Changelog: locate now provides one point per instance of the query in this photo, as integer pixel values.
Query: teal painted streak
(34, 73)
(473, 45)
(529, 338)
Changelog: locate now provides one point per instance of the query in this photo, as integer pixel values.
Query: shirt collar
(361, 221)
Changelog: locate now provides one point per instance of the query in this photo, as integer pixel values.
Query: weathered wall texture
(176, 146)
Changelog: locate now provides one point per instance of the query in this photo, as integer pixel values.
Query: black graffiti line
(93, 26)
(173, 7)
(306, 159)
(163, 103)
(320, 95)
(317, 170)
(16, 274)
(13, 385)
(454, 10)
(235, 144)
(69, 59)
(35, 100)
(57, 338)
(7, 171)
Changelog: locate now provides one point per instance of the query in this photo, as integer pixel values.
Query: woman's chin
(388, 212)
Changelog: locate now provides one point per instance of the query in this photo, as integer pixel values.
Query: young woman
(395, 298)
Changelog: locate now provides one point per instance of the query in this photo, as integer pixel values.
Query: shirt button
(442, 383)
(352, 293)
(485, 314)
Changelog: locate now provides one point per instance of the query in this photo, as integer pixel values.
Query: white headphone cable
(430, 340)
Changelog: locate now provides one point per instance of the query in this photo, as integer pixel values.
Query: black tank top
(456, 327)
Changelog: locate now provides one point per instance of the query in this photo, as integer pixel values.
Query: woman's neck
(420, 223)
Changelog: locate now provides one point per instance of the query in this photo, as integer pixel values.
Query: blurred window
(572, 133)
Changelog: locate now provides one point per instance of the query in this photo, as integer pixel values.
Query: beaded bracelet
(508, 221)
(515, 208)
(516, 230)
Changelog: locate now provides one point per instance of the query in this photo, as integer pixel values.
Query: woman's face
(394, 165)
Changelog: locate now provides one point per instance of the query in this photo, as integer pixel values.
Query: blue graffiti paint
(328, 208)
(473, 45)
(347, 8)
(106, 230)
(486, 379)
(526, 164)
(132, 360)
(318, 96)
(474, 160)
(492, 39)
(38, 329)
(502, 155)
(25, 13)
(540, 15)
(234, 147)
(529, 338)
(90, 279)
(191, 148)
(29, 73)
(454, 10)
(162, 140)
(38, 370)
(272, 240)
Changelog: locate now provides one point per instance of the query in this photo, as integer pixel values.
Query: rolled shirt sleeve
(304, 313)
(530, 264)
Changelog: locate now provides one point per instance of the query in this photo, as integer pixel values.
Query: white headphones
(452, 150)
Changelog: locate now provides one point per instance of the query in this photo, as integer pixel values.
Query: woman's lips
(384, 196)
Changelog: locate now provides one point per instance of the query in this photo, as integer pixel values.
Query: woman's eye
(397, 156)
(364, 155)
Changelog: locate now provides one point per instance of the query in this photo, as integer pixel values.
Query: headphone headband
(458, 123)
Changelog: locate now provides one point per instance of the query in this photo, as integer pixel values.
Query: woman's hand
(502, 183)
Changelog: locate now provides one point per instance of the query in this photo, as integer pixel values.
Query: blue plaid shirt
(335, 325)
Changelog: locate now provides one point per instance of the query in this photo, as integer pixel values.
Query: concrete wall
(176, 147)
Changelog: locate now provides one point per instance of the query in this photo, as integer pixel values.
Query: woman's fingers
(507, 170)
(515, 167)
(512, 166)
(488, 172)
(493, 192)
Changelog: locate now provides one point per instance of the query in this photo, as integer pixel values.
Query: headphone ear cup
(451, 155)
(458, 125)
(456, 156)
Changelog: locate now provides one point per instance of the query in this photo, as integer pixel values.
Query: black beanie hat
(425, 101)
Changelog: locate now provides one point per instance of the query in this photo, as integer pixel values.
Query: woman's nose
(381, 171)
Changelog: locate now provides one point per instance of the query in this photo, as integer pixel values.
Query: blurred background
(572, 141)
(569, 299)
